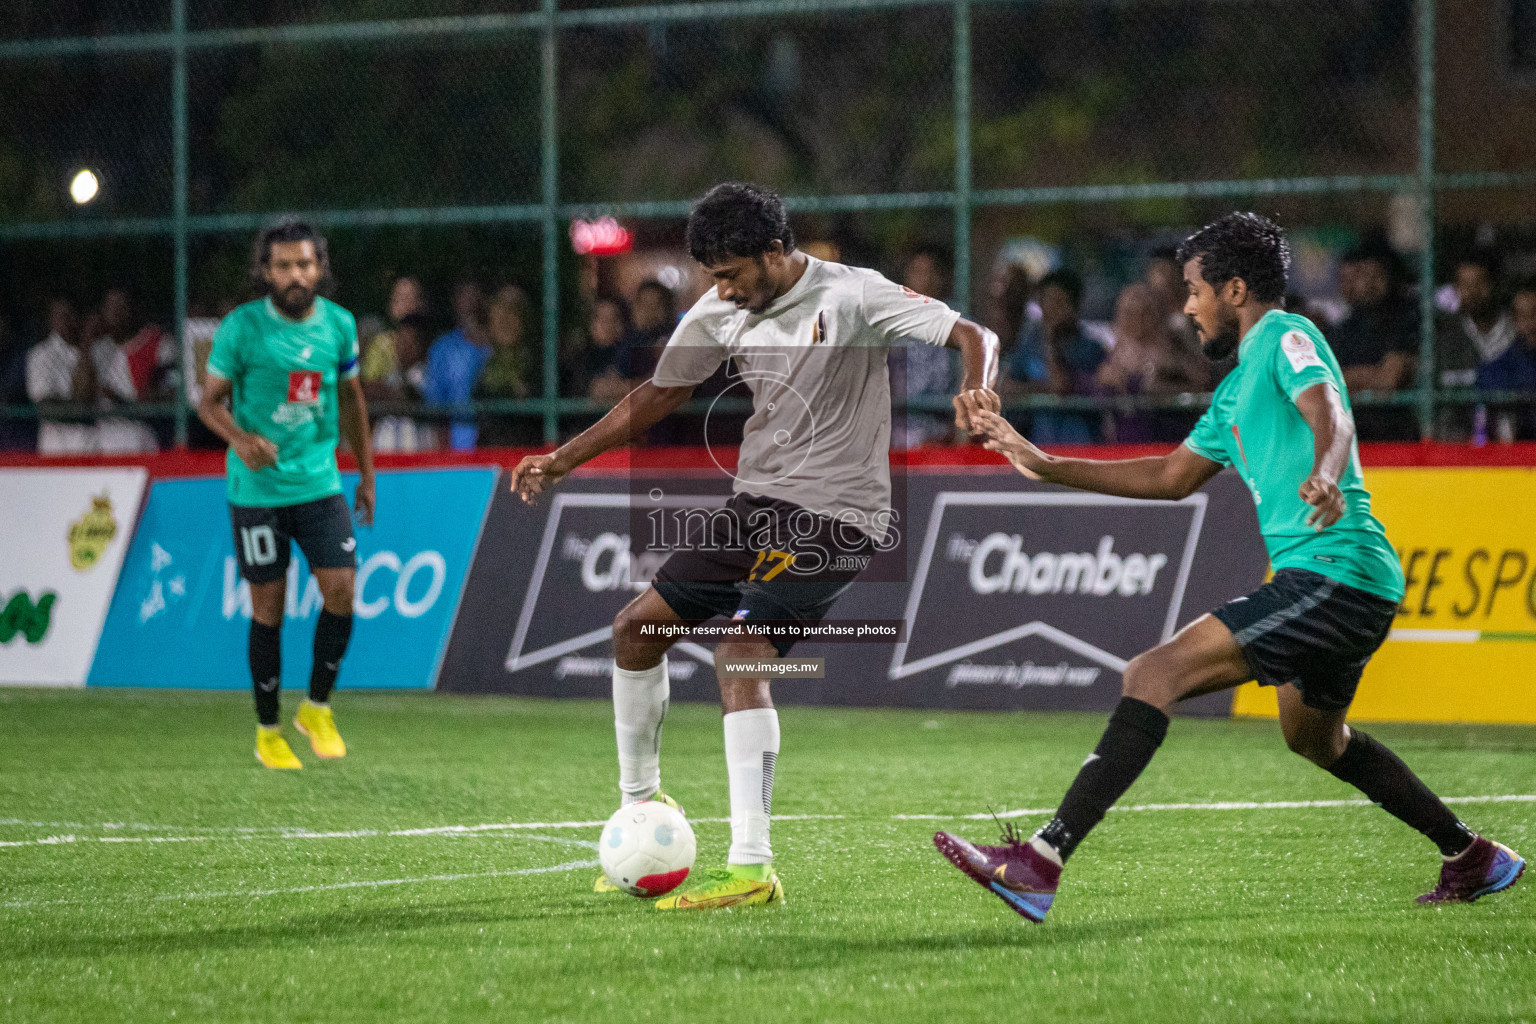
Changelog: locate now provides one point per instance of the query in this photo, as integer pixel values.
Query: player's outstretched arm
(978, 357)
(1333, 434)
(354, 427)
(1176, 475)
(639, 410)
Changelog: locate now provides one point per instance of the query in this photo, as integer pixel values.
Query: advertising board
(1013, 594)
(181, 614)
(65, 534)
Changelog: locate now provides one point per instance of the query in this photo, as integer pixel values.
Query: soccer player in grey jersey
(810, 339)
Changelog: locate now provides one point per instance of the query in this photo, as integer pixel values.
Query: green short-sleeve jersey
(284, 375)
(1253, 425)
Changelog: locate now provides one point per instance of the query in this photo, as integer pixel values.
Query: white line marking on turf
(524, 827)
(570, 865)
(285, 834)
(1221, 805)
(487, 828)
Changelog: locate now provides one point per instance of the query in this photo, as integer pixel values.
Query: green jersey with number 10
(284, 375)
(1254, 426)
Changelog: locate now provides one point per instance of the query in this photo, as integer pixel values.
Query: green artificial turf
(1268, 914)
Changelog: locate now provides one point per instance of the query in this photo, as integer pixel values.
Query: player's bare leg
(1472, 865)
(751, 751)
(333, 632)
(1201, 658)
(266, 660)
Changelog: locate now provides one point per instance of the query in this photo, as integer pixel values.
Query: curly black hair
(288, 229)
(1243, 245)
(737, 219)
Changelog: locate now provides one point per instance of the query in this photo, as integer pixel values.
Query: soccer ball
(647, 848)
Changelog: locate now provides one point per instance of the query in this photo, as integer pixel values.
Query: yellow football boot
(316, 722)
(741, 885)
(273, 751)
(602, 884)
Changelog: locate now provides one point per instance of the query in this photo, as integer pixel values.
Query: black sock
(1381, 775)
(1135, 731)
(266, 656)
(332, 633)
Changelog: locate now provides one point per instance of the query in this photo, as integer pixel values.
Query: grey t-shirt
(815, 361)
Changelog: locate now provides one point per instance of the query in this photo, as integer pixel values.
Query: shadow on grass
(789, 941)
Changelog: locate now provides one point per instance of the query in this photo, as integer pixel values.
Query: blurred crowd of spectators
(82, 364)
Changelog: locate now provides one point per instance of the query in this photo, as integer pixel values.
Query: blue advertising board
(180, 615)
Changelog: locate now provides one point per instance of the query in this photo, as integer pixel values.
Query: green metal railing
(550, 213)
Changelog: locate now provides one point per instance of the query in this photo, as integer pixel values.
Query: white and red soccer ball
(647, 849)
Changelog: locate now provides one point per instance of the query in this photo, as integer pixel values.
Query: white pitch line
(570, 865)
(495, 827)
(240, 834)
(1221, 805)
(286, 834)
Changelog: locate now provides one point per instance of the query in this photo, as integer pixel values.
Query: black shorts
(1305, 628)
(765, 560)
(322, 528)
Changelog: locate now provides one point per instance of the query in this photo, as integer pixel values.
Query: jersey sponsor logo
(1300, 350)
(304, 387)
(909, 293)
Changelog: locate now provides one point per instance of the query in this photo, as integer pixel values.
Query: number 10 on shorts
(259, 545)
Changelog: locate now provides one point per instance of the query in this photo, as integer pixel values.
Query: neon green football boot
(737, 885)
(602, 884)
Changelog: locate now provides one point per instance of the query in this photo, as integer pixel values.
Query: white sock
(1046, 850)
(639, 707)
(751, 748)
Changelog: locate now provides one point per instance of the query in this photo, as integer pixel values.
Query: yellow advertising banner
(1464, 648)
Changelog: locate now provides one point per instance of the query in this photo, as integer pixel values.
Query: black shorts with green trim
(1308, 629)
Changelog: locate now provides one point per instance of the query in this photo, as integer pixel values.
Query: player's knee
(338, 596)
(267, 600)
(742, 649)
(1321, 749)
(628, 648)
(1146, 679)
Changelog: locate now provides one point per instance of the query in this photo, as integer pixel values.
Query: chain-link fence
(445, 139)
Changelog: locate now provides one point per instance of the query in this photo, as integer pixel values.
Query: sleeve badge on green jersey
(1300, 350)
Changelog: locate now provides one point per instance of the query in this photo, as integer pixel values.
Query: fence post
(179, 212)
(1426, 188)
(962, 33)
(549, 151)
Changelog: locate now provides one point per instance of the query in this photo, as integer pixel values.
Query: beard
(294, 301)
(1228, 336)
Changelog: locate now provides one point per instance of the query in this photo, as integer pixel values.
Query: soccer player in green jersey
(1282, 419)
(288, 363)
